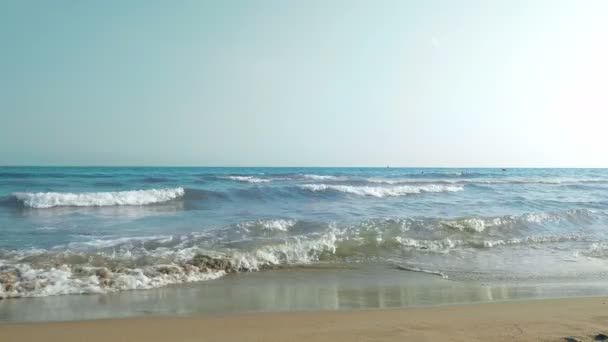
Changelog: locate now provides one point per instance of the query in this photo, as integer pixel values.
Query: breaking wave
(267, 225)
(382, 191)
(489, 181)
(322, 177)
(283, 177)
(128, 263)
(41, 200)
(248, 179)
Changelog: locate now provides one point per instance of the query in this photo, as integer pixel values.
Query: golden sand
(538, 320)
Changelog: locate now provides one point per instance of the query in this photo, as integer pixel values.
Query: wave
(479, 224)
(247, 179)
(126, 263)
(267, 225)
(41, 200)
(455, 178)
(22, 280)
(382, 191)
(531, 240)
(547, 180)
(123, 241)
(298, 250)
(293, 177)
(322, 177)
(489, 181)
(145, 265)
(597, 250)
(36, 274)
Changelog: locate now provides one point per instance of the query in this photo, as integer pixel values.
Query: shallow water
(103, 230)
(366, 286)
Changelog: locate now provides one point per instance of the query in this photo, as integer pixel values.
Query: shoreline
(545, 319)
(305, 289)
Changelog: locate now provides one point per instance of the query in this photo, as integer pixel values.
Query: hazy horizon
(506, 168)
(306, 83)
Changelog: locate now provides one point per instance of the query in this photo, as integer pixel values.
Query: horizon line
(304, 167)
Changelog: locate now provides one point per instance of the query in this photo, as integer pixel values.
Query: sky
(304, 83)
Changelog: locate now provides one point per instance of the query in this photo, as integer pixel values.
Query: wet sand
(367, 303)
(318, 288)
(540, 320)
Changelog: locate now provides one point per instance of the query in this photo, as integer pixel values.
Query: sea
(99, 230)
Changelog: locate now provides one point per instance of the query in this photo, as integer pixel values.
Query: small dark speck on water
(600, 337)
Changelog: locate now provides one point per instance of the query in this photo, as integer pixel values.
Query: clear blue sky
(331, 83)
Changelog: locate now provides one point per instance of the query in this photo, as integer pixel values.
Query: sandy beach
(254, 170)
(581, 319)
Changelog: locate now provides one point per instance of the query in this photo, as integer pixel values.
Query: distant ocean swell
(383, 191)
(44, 200)
(127, 263)
(257, 189)
(276, 185)
(453, 178)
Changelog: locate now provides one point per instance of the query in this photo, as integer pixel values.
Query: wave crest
(322, 177)
(42, 200)
(267, 225)
(46, 273)
(383, 191)
(110, 265)
(248, 179)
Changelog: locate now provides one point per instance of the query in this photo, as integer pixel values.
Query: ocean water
(101, 230)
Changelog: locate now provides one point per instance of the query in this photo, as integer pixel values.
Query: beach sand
(539, 320)
(368, 303)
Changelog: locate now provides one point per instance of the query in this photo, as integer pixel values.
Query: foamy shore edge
(581, 319)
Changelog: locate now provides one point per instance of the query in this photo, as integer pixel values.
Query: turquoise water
(98, 230)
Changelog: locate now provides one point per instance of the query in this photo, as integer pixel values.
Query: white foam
(530, 240)
(430, 245)
(66, 279)
(267, 225)
(488, 181)
(248, 179)
(40, 200)
(549, 238)
(322, 177)
(597, 250)
(469, 224)
(107, 243)
(19, 279)
(154, 261)
(383, 191)
(389, 181)
(539, 217)
(477, 224)
(293, 252)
